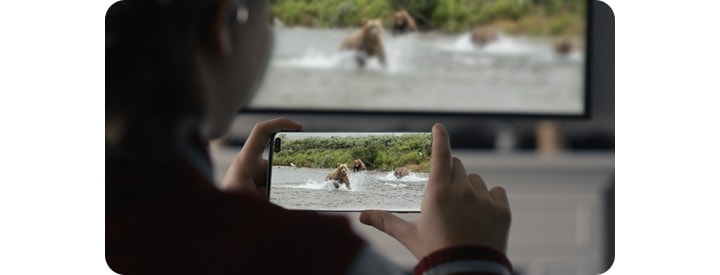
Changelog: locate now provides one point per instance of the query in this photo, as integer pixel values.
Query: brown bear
(358, 165)
(366, 42)
(403, 22)
(401, 172)
(481, 36)
(562, 45)
(340, 174)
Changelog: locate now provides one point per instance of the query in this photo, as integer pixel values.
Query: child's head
(170, 63)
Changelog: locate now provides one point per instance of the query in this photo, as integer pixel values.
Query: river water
(306, 188)
(426, 72)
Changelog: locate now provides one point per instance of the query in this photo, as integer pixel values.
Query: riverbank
(555, 18)
(381, 152)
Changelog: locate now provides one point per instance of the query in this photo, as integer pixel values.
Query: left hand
(248, 171)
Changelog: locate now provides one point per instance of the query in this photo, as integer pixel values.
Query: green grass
(546, 18)
(382, 153)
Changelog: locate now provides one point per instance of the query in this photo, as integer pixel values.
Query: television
(458, 58)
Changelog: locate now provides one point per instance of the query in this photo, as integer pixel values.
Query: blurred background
(558, 171)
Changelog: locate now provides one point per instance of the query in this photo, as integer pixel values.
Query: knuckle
(468, 193)
(438, 194)
(499, 191)
(379, 222)
(261, 126)
(486, 204)
(504, 214)
(474, 177)
(257, 128)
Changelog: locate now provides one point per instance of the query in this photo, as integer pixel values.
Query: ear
(364, 21)
(220, 30)
(338, 165)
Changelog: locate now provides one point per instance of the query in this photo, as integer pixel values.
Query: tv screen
(437, 57)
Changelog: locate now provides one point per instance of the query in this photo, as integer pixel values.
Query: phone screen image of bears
(349, 171)
(497, 56)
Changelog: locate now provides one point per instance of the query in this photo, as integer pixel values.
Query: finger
(260, 135)
(261, 173)
(458, 171)
(478, 184)
(241, 188)
(441, 159)
(403, 231)
(499, 195)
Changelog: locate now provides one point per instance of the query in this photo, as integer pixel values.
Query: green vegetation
(549, 17)
(383, 153)
(329, 13)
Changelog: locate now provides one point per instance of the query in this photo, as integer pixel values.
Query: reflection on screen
(350, 171)
(475, 57)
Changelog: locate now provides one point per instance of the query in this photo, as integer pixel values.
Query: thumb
(403, 231)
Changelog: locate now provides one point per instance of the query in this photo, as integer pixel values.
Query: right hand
(457, 208)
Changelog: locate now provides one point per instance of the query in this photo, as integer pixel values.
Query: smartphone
(349, 171)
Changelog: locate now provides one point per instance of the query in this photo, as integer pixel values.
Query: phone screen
(349, 171)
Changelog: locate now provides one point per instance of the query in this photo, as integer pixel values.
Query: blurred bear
(367, 42)
(401, 172)
(562, 45)
(403, 22)
(482, 36)
(358, 165)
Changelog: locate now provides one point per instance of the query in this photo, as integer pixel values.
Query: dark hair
(148, 50)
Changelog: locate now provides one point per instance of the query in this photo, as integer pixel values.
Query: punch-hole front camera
(276, 146)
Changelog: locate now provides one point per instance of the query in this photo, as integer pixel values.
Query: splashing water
(512, 74)
(370, 190)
